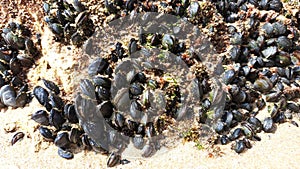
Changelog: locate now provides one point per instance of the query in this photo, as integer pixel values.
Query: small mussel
(74, 135)
(98, 66)
(229, 75)
(8, 95)
(138, 141)
(239, 146)
(133, 47)
(18, 136)
(148, 150)
(56, 102)
(47, 133)
(56, 119)
(136, 110)
(256, 124)
(51, 86)
(236, 134)
(70, 113)
(41, 117)
(65, 154)
(113, 159)
(263, 84)
(41, 95)
(62, 140)
(139, 77)
(224, 140)
(106, 109)
(268, 125)
(136, 89)
(220, 127)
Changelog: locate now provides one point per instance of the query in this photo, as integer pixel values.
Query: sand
(279, 150)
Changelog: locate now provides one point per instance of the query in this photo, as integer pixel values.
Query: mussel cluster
(120, 105)
(59, 124)
(197, 12)
(70, 23)
(58, 121)
(262, 72)
(230, 9)
(17, 54)
(123, 103)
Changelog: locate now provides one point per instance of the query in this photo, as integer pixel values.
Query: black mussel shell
(268, 125)
(136, 110)
(74, 135)
(239, 146)
(256, 124)
(41, 95)
(237, 133)
(103, 93)
(15, 66)
(113, 159)
(133, 47)
(148, 150)
(139, 77)
(270, 51)
(62, 140)
(65, 154)
(227, 118)
(88, 89)
(70, 113)
(8, 96)
(136, 89)
(237, 115)
(229, 75)
(220, 127)
(56, 119)
(106, 109)
(293, 107)
(16, 81)
(18, 136)
(41, 117)
(263, 84)
(51, 86)
(47, 133)
(102, 81)
(224, 140)
(56, 102)
(98, 66)
(119, 120)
